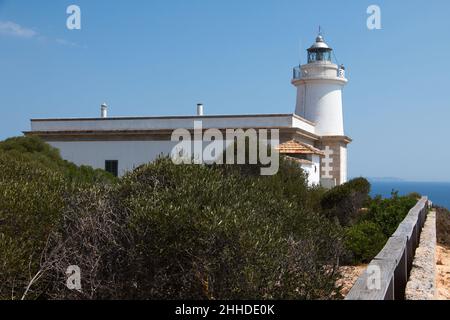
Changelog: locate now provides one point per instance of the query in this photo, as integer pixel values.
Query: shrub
(210, 235)
(415, 195)
(372, 230)
(93, 236)
(33, 149)
(30, 202)
(34, 182)
(161, 232)
(195, 232)
(443, 226)
(365, 240)
(389, 213)
(344, 202)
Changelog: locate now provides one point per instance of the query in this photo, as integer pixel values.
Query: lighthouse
(319, 86)
(312, 137)
(319, 90)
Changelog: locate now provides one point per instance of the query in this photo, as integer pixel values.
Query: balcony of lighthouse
(319, 70)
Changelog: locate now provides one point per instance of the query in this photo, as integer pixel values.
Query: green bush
(196, 232)
(34, 183)
(210, 235)
(415, 195)
(33, 149)
(369, 234)
(365, 240)
(30, 203)
(344, 202)
(389, 213)
(161, 232)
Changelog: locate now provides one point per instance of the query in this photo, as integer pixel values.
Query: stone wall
(422, 282)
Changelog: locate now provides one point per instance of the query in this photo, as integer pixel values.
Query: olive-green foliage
(344, 202)
(415, 195)
(198, 232)
(33, 149)
(30, 204)
(161, 232)
(33, 182)
(382, 218)
(290, 182)
(230, 236)
(368, 223)
(389, 213)
(365, 240)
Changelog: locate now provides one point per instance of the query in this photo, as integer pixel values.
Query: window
(112, 166)
(319, 55)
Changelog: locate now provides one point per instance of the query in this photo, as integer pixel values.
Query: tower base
(334, 164)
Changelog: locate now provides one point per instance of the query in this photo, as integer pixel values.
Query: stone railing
(387, 275)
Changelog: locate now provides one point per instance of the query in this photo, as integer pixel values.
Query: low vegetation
(380, 220)
(443, 226)
(179, 232)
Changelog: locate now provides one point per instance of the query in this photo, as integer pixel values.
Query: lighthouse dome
(319, 45)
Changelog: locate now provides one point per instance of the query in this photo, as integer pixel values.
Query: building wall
(93, 141)
(313, 171)
(130, 154)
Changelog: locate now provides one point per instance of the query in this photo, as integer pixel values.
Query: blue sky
(162, 57)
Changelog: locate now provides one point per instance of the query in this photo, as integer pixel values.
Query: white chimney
(200, 109)
(104, 111)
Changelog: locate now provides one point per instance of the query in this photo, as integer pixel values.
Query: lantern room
(319, 51)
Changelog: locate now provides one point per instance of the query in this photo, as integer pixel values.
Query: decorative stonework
(331, 165)
(327, 163)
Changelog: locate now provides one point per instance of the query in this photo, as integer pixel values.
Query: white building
(314, 135)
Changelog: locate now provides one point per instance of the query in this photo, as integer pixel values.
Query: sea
(437, 192)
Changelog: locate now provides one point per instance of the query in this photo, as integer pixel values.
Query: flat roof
(158, 123)
(179, 117)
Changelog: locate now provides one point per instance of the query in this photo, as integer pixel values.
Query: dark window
(112, 166)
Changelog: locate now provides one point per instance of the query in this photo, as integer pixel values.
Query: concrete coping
(394, 249)
(405, 229)
(376, 283)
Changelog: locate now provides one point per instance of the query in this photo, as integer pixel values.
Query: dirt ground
(443, 254)
(349, 277)
(443, 272)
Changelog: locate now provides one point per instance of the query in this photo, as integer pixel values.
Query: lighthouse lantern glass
(319, 55)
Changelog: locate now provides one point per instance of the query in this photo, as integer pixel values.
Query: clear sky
(162, 57)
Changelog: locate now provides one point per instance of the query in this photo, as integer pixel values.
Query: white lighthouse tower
(319, 90)
(319, 86)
